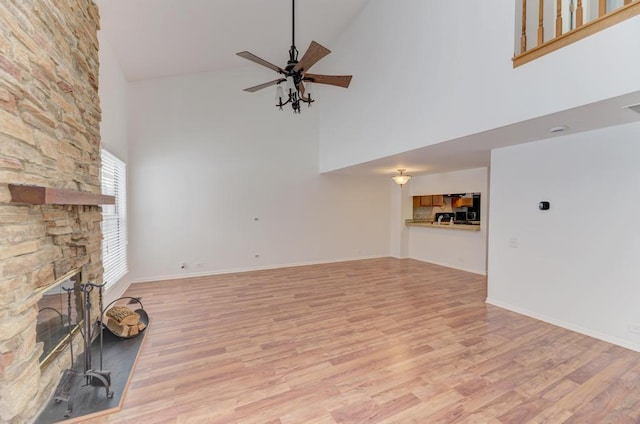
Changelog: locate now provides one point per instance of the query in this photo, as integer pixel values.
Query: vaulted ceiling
(158, 38)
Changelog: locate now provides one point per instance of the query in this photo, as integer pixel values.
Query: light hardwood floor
(381, 340)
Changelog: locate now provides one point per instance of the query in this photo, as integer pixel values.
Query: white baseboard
(247, 269)
(567, 325)
(459, 268)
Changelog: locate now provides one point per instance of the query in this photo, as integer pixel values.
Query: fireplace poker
(69, 292)
(101, 326)
(94, 377)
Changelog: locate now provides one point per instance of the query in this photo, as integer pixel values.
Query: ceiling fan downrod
(294, 78)
(293, 52)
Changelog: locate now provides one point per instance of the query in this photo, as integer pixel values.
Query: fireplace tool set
(93, 377)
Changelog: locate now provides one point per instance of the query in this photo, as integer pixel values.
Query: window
(114, 219)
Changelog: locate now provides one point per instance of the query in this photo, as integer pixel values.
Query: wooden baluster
(523, 37)
(602, 7)
(579, 16)
(559, 18)
(540, 22)
(627, 1)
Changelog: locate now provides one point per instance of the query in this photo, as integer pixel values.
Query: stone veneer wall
(49, 136)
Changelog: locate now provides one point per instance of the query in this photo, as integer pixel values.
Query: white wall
(112, 89)
(430, 71)
(207, 158)
(465, 250)
(576, 264)
(401, 209)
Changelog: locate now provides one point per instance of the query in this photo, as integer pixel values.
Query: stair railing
(570, 21)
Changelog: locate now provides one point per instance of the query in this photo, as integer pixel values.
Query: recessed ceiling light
(559, 129)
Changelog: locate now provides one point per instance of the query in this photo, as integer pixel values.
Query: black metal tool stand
(93, 377)
(63, 390)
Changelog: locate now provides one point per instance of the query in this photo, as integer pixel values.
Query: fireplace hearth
(81, 392)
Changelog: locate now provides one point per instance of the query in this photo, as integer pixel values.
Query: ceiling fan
(295, 74)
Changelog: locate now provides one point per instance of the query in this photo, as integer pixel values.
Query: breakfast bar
(444, 225)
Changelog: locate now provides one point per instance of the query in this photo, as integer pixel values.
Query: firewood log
(133, 330)
(117, 329)
(123, 315)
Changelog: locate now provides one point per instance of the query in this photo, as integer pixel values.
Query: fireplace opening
(59, 316)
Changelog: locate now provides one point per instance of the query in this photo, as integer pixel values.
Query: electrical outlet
(634, 328)
(199, 265)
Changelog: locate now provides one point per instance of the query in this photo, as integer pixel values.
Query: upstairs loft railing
(543, 26)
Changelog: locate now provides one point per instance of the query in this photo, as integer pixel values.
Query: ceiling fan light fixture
(402, 178)
(297, 86)
(290, 85)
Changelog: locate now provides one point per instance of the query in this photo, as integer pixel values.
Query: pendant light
(402, 178)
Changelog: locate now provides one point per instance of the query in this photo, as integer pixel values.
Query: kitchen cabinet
(460, 202)
(426, 200)
(430, 200)
(437, 200)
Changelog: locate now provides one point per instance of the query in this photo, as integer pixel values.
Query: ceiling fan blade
(337, 80)
(252, 57)
(314, 53)
(265, 85)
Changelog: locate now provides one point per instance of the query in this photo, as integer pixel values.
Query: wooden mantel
(37, 195)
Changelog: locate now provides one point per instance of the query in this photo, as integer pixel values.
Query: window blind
(114, 219)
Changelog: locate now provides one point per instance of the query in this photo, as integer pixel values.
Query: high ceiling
(159, 38)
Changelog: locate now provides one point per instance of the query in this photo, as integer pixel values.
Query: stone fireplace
(49, 137)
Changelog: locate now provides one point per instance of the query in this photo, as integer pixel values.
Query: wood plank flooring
(372, 341)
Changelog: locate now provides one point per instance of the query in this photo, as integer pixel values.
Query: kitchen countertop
(444, 225)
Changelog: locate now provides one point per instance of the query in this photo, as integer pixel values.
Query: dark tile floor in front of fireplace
(119, 356)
